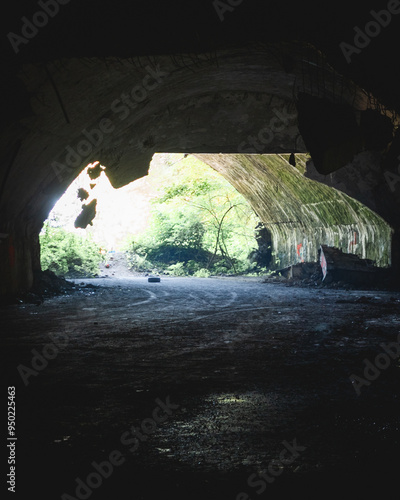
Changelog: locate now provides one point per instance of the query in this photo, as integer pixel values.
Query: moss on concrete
(301, 213)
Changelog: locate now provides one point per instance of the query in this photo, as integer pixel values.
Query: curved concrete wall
(303, 214)
(238, 101)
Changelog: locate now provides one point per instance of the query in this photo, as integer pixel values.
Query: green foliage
(177, 269)
(68, 254)
(202, 273)
(200, 224)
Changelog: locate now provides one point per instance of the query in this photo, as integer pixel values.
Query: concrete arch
(120, 112)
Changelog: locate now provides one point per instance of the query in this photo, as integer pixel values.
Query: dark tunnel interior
(229, 387)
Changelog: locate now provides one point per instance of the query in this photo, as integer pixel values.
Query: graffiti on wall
(300, 252)
(353, 243)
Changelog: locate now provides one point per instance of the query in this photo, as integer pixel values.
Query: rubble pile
(46, 284)
(335, 269)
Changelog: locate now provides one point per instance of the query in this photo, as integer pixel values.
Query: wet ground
(252, 382)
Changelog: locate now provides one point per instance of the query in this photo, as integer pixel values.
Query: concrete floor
(252, 380)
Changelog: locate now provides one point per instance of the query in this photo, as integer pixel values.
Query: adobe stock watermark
(372, 29)
(278, 123)
(132, 438)
(222, 7)
(287, 456)
(381, 362)
(41, 360)
(30, 28)
(121, 108)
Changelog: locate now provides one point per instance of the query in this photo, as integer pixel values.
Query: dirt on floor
(263, 390)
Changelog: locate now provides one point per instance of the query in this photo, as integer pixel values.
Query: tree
(200, 219)
(68, 254)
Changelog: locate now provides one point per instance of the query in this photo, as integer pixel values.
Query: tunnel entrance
(182, 219)
(247, 214)
(266, 102)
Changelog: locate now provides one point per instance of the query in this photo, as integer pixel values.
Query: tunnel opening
(263, 207)
(181, 219)
(278, 98)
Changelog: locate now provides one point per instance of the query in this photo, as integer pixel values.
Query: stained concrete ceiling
(118, 81)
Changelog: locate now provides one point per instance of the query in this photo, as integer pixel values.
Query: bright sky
(119, 211)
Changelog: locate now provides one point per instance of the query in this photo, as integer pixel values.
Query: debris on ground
(335, 269)
(46, 285)
(304, 273)
(301, 270)
(339, 266)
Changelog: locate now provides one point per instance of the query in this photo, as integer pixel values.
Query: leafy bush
(199, 226)
(202, 273)
(177, 269)
(68, 254)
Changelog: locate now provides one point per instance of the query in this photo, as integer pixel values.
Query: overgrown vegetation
(200, 225)
(68, 254)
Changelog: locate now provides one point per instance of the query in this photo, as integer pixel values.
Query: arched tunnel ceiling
(120, 112)
(116, 82)
(229, 60)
